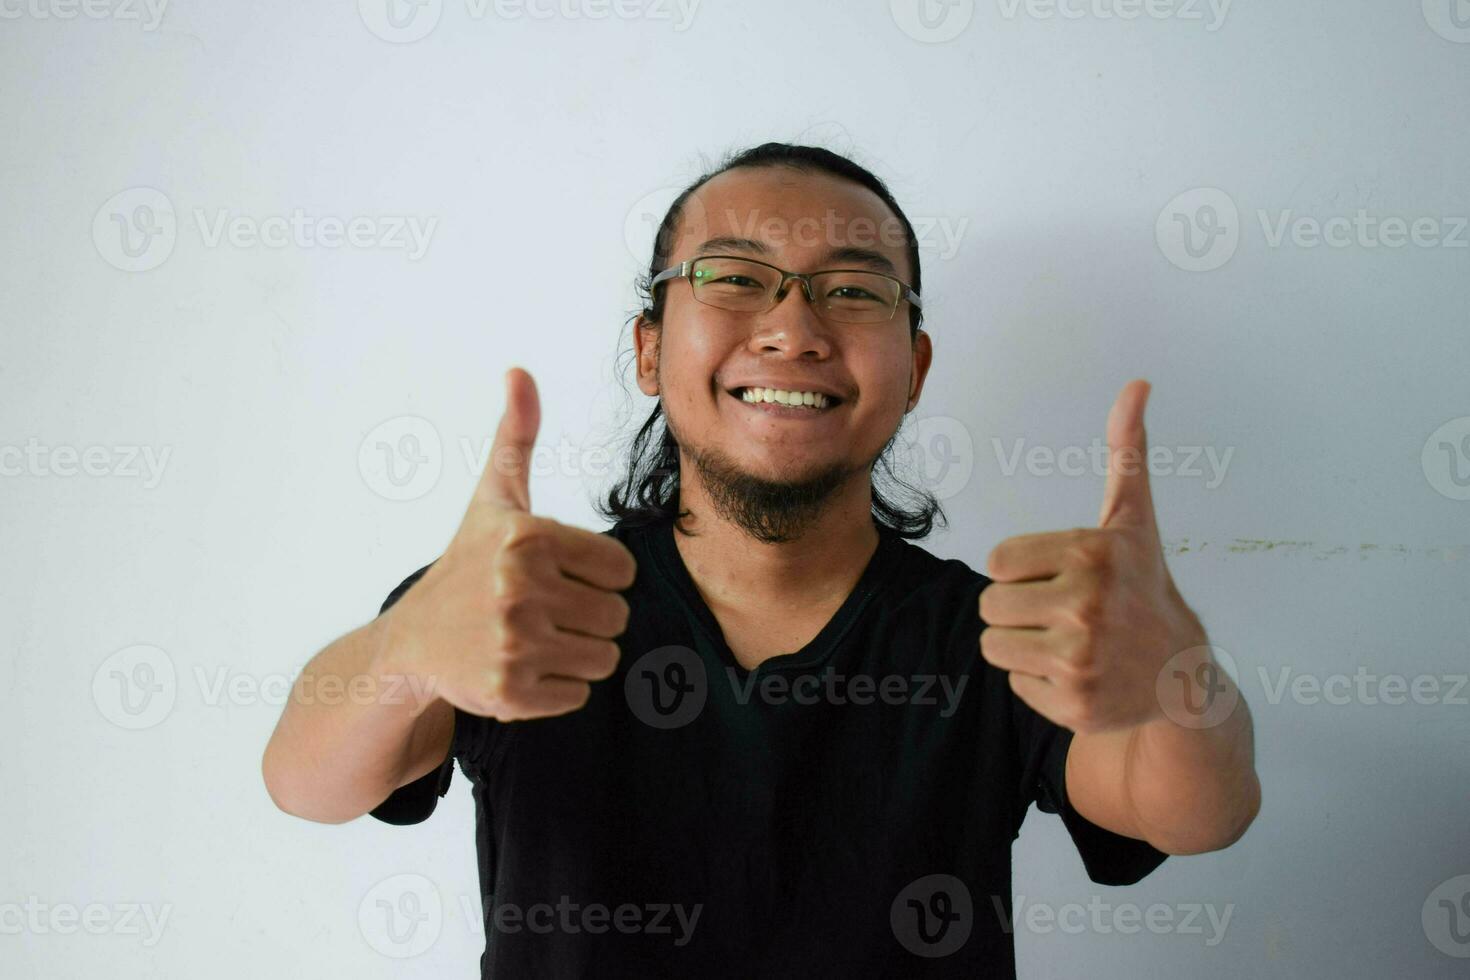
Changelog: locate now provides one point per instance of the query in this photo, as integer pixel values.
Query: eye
(853, 292)
(731, 279)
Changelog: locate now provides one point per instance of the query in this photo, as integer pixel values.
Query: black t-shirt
(847, 809)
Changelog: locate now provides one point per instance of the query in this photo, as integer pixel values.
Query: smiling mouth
(797, 401)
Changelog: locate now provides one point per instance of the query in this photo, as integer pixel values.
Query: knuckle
(1084, 662)
(626, 565)
(496, 687)
(605, 661)
(520, 532)
(1072, 659)
(509, 633)
(1087, 608)
(1086, 548)
(583, 695)
(621, 613)
(515, 647)
(995, 564)
(515, 612)
(1085, 683)
(507, 580)
(987, 603)
(1083, 715)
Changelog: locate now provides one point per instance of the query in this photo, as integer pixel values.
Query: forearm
(1194, 789)
(357, 722)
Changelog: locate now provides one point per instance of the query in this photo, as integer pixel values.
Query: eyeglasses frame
(685, 268)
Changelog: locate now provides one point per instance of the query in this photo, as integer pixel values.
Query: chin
(784, 466)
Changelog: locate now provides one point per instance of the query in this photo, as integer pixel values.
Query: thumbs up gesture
(1085, 619)
(517, 617)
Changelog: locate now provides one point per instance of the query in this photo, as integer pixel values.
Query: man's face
(701, 357)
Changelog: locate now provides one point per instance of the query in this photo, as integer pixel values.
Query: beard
(773, 511)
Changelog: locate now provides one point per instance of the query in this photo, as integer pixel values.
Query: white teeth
(813, 399)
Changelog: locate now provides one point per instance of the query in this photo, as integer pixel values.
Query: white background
(538, 147)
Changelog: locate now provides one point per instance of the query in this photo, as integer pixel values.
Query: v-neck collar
(875, 575)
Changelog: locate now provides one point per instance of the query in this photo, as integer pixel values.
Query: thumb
(506, 482)
(1127, 499)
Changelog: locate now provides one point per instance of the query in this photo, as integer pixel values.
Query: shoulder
(934, 603)
(924, 577)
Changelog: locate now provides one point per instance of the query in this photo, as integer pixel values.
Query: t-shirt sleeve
(1110, 858)
(414, 802)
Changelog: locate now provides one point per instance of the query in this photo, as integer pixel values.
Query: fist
(1085, 620)
(518, 617)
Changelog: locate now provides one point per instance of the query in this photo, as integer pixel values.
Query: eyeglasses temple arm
(672, 272)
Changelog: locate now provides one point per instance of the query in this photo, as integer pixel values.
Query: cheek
(883, 402)
(687, 362)
(885, 388)
(695, 345)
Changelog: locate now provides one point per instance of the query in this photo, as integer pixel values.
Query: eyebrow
(848, 253)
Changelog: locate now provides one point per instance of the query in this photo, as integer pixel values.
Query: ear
(923, 356)
(645, 343)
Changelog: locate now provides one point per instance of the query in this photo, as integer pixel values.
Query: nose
(792, 326)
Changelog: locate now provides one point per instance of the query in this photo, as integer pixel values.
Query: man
(751, 729)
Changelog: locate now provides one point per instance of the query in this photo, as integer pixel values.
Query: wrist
(397, 663)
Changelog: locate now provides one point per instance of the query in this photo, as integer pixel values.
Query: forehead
(802, 219)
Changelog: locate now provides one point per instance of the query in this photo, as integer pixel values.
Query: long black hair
(649, 490)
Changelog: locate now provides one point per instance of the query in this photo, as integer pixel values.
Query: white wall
(1054, 145)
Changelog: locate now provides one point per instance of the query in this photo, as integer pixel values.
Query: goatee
(773, 511)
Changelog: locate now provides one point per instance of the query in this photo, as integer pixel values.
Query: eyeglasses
(729, 282)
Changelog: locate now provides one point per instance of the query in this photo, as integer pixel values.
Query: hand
(517, 618)
(1084, 620)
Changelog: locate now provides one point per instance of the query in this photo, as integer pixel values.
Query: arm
(513, 621)
(1097, 639)
(356, 727)
(1185, 790)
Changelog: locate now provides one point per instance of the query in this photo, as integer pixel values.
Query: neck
(736, 571)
